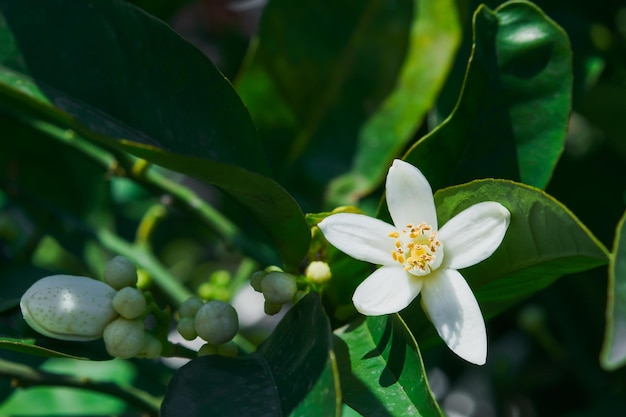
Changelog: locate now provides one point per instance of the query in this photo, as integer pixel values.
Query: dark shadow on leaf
(355, 393)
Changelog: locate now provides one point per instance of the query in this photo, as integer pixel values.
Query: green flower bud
(318, 272)
(229, 349)
(187, 328)
(130, 303)
(119, 272)
(152, 347)
(124, 338)
(271, 308)
(256, 279)
(207, 349)
(279, 287)
(190, 307)
(217, 322)
(68, 307)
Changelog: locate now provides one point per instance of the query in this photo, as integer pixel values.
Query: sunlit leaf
(381, 370)
(544, 241)
(511, 118)
(434, 37)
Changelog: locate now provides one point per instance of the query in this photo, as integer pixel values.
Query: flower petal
(454, 311)
(474, 234)
(409, 196)
(388, 290)
(362, 237)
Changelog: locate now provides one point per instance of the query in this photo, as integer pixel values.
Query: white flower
(417, 257)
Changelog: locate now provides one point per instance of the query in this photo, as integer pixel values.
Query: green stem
(144, 259)
(26, 376)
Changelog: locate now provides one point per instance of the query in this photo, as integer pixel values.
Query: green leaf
(511, 118)
(381, 369)
(279, 378)
(544, 241)
(613, 354)
(434, 38)
(47, 401)
(172, 108)
(107, 74)
(313, 82)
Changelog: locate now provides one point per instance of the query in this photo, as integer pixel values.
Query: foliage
(197, 162)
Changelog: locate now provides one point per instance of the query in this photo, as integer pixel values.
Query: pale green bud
(120, 272)
(229, 349)
(256, 279)
(207, 349)
(217, 322)
(68, 307)
(190, 307)
(318, 272)
(187, 328)
(130, 303)
(279, 287)
(152, 347)
(271, 308)
(124, 338)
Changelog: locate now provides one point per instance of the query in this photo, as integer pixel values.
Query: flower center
(417, 249)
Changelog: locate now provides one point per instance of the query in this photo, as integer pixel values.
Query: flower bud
(279, 287)
(68, 307)
(187, 328)
(217, 322)
(119, 272)
(318, 272)
(271, 308)
(152, 347)
(130, 303)
(124, 338)
(256, 279)
(190, 307)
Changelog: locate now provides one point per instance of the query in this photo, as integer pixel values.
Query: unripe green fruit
(187, 328)
(152, 347)
(217, 322)
(119, 272)
(190, 307)
(279, 287)
(130, 303)
(124, 338)
(68, 307)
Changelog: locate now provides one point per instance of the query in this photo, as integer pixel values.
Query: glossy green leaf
(320, 70)
(47, 401)
(434, 38)
(172, 108)
(511, 118)
(613, 354)
(544, 241)
(282, 376)
(175, 99)
(381, 370)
